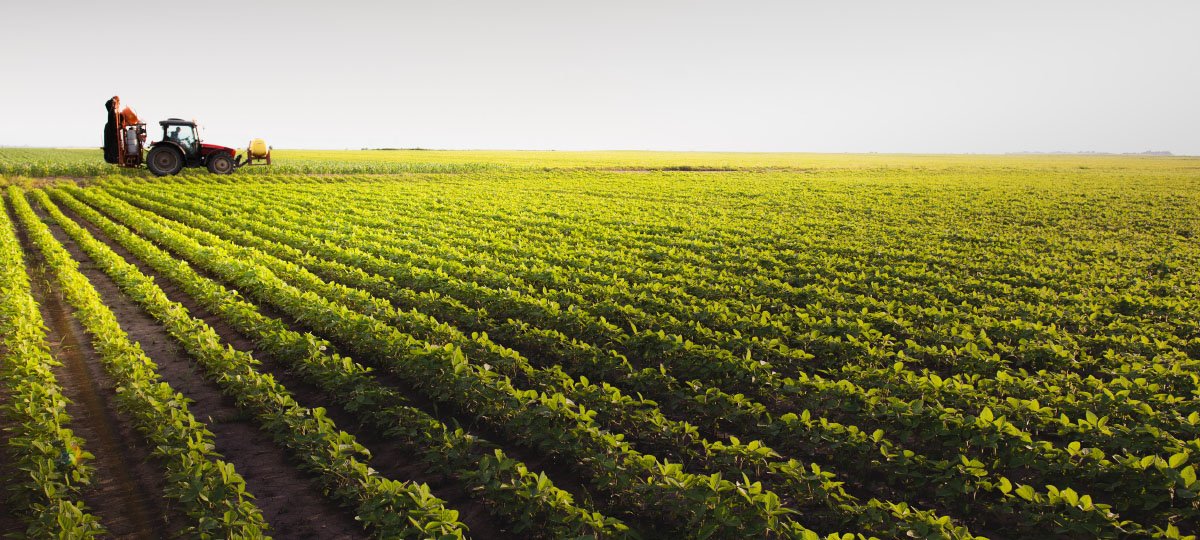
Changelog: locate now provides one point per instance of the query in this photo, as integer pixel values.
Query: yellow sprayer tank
(258, 148)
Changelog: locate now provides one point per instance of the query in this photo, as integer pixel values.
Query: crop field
(430, 344)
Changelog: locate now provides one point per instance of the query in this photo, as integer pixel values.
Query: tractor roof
(176, 122)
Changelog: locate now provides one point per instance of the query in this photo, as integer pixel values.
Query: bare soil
(289, 500)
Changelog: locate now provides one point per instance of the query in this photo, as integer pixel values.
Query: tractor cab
(181, 147)
(183, 134)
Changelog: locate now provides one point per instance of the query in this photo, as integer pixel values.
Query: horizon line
(1144, 153)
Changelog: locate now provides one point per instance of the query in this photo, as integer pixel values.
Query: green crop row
(46, 459)
(739, 321)
(391, 508)
(1143, 439)
(710, 411)
(835, 396)
(664, 492)
(1003, 345)
(652, 431)
(529, 501)
(696, 266)
(209, 490)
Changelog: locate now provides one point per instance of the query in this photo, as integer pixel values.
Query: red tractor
(125, 138)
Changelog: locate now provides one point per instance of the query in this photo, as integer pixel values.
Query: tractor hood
(207, 149)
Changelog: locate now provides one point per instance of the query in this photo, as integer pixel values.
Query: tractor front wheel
(164, 160)
(220, 164)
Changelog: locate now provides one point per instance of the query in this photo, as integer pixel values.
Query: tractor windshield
(184, 135)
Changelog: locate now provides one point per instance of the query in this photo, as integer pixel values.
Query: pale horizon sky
(910, 77)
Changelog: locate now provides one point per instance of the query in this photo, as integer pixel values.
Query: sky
(853, 76)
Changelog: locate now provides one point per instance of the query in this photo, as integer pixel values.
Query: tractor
(180, 146)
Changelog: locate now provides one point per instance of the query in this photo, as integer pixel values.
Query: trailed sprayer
(180, 146)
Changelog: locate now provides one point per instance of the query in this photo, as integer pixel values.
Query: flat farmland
(602, 344)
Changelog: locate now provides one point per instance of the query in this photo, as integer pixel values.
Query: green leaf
(1177, 460)
(1189, 475)
(1026, 492)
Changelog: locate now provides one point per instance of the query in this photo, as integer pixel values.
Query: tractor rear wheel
(220, 164)
(164, 160)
